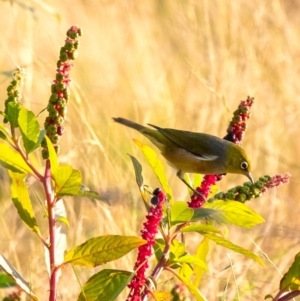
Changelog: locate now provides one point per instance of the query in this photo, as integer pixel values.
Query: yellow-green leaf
(181, 213)
(200, 228)
(157, 166)
(291, 279)
(12, 160)
(192, 289)
(102, 249)
(67, 180)
(52, 156)
(20, 198)
(229, 245)
(191, 260)
(235, 213)
(201, 253)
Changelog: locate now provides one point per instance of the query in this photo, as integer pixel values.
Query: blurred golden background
(181, 64)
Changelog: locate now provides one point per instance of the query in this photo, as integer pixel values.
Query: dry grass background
(182, 64)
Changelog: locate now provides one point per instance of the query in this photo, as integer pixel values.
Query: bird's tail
(131, 124)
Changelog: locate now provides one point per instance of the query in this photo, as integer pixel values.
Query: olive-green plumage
(195, 152)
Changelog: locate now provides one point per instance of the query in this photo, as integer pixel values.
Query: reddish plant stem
(52, 242)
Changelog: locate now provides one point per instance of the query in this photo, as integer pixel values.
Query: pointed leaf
(291, 279)
(102, 249)
(52, 156)
(12, 160)
(157, 166)
(191, 260)
(181, 213)
(138, 171)
(105, 285)
(67, 180)
(201, 253)
(30, 129)
(236, 213)
(12, 272)
(229, 245)
(192, 289)
(85, 192)
(21, 200)
(13, 110)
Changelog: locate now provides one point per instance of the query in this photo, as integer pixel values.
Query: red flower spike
(154, 217)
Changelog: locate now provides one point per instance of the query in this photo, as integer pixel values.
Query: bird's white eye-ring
(244, 165)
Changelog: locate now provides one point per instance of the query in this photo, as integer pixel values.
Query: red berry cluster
(60, 92)
(198, 200)
(237, 126)
(154, 217)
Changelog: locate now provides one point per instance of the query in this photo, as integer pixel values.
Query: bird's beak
(249, 176)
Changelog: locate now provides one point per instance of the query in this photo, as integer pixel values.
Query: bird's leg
(180, 175)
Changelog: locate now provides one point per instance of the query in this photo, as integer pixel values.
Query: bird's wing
(201, 145)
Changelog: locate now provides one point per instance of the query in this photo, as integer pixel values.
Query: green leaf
(191, 260)
(138, 171)
(20, 198)
(235, 213)
(13, 110)
(67, 180)
(30, 129)
(12, 160)
(105, 285)
(177, 249)
(42, 134)
(200, 228)
(157, 166)
(181, 213)
(291, 279)
(229, 245)
(52, 156)
(6, 281)
(202, 213)
(102, 249)
(192, 289)
(91, 194)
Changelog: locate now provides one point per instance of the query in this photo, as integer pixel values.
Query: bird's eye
(244, 165)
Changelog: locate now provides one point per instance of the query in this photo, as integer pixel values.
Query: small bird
(190, 152)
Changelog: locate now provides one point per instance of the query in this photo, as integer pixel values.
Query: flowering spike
(14, 90)
(154, 217)
(249, 191)
(60, 93)
(237, 126)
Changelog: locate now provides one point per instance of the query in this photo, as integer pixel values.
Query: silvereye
(195, 152)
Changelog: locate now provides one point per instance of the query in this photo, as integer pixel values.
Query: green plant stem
(52, 242)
